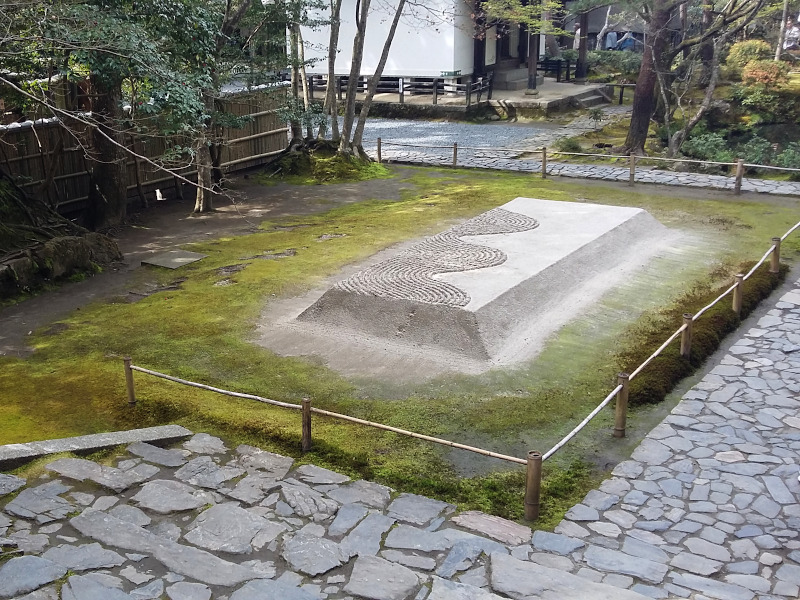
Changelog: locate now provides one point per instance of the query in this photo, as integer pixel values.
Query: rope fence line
(534, 459)
(632, 159)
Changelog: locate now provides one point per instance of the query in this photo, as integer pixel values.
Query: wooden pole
(455, 153)
(621, 414)
(468, 92)
(775, 259)
(621, 93)
(306, 441)
(533, 485)
(632, 162)
(544, 162)
(737, 187)
(436, 90)
(402, 85)
(129, 381)
(178, 188)
(339, 87)
(686, 336)
(379, 150)
(737, 294)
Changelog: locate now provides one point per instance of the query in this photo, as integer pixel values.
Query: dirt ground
(170, 224)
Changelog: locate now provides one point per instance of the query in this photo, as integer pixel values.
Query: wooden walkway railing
(533, 461)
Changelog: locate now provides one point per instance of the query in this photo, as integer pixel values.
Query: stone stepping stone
(312, 555)
(309, 503)
(84, 558)
(379, 579)
(365, 539)
(524, 579)
(159, 456)
(10, 483)
(229, 528)
(131, 514)
(204, 472)
(613, 561)
(42, 503)
(362, 492)
(464, 553)
(81, 587)
(314, 475)
(252, 489)
(80, 469)
(497, 528)
(27, 573)
(443, 589)
(177, 558)
(346, 518)
(184, 590)
(152, 591)
(165, 496)
(202, 443)
(417, 510)
(255, 459)
(266, 588)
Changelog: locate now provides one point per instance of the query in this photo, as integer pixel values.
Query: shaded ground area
(170, 224)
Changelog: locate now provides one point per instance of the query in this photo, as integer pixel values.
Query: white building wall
(427, 41)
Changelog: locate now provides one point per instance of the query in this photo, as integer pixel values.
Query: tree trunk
(301, 57)
(295, 125)
(330, 107)
(582, 68)
(644, 96)
(203, 199)
(108, 181)
(376, 77)
(362, 11)
(782, 32)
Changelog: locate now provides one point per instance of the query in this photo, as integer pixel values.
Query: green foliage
(756, 150)
(657, 379)
(790, 158)
(569, 54)
(596, 115)
(521, 11)
(743, 52)
(568, 144)
(626, 64)
(708, 146)
(767, 73)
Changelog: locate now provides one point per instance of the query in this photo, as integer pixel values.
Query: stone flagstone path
(519, 140)
(707, 507)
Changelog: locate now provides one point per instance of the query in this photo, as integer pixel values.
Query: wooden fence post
(455, 153)
(468, 92)
(436, 90)
(686, 336)
(737, 294)
(338, 83)
(632, 162)
(129, 381)
(402, 90)
(621, 93)
(533, 485)
(737, 186)
(178, 188)
(306, 441)
(379, 150)
(621, 413)
(544, 162)
(775, 259)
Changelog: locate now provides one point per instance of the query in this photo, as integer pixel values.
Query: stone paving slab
(16, 454)
(145, 527)
(515, 142)
(706, 508)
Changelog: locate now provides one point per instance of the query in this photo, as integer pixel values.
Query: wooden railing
(534, 459)
(433, 87)
(739, 166)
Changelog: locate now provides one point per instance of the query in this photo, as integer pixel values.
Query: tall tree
(658, 60)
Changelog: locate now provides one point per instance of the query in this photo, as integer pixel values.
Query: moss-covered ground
(74, 384)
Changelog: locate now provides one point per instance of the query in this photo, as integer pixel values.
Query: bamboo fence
(30, 151)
